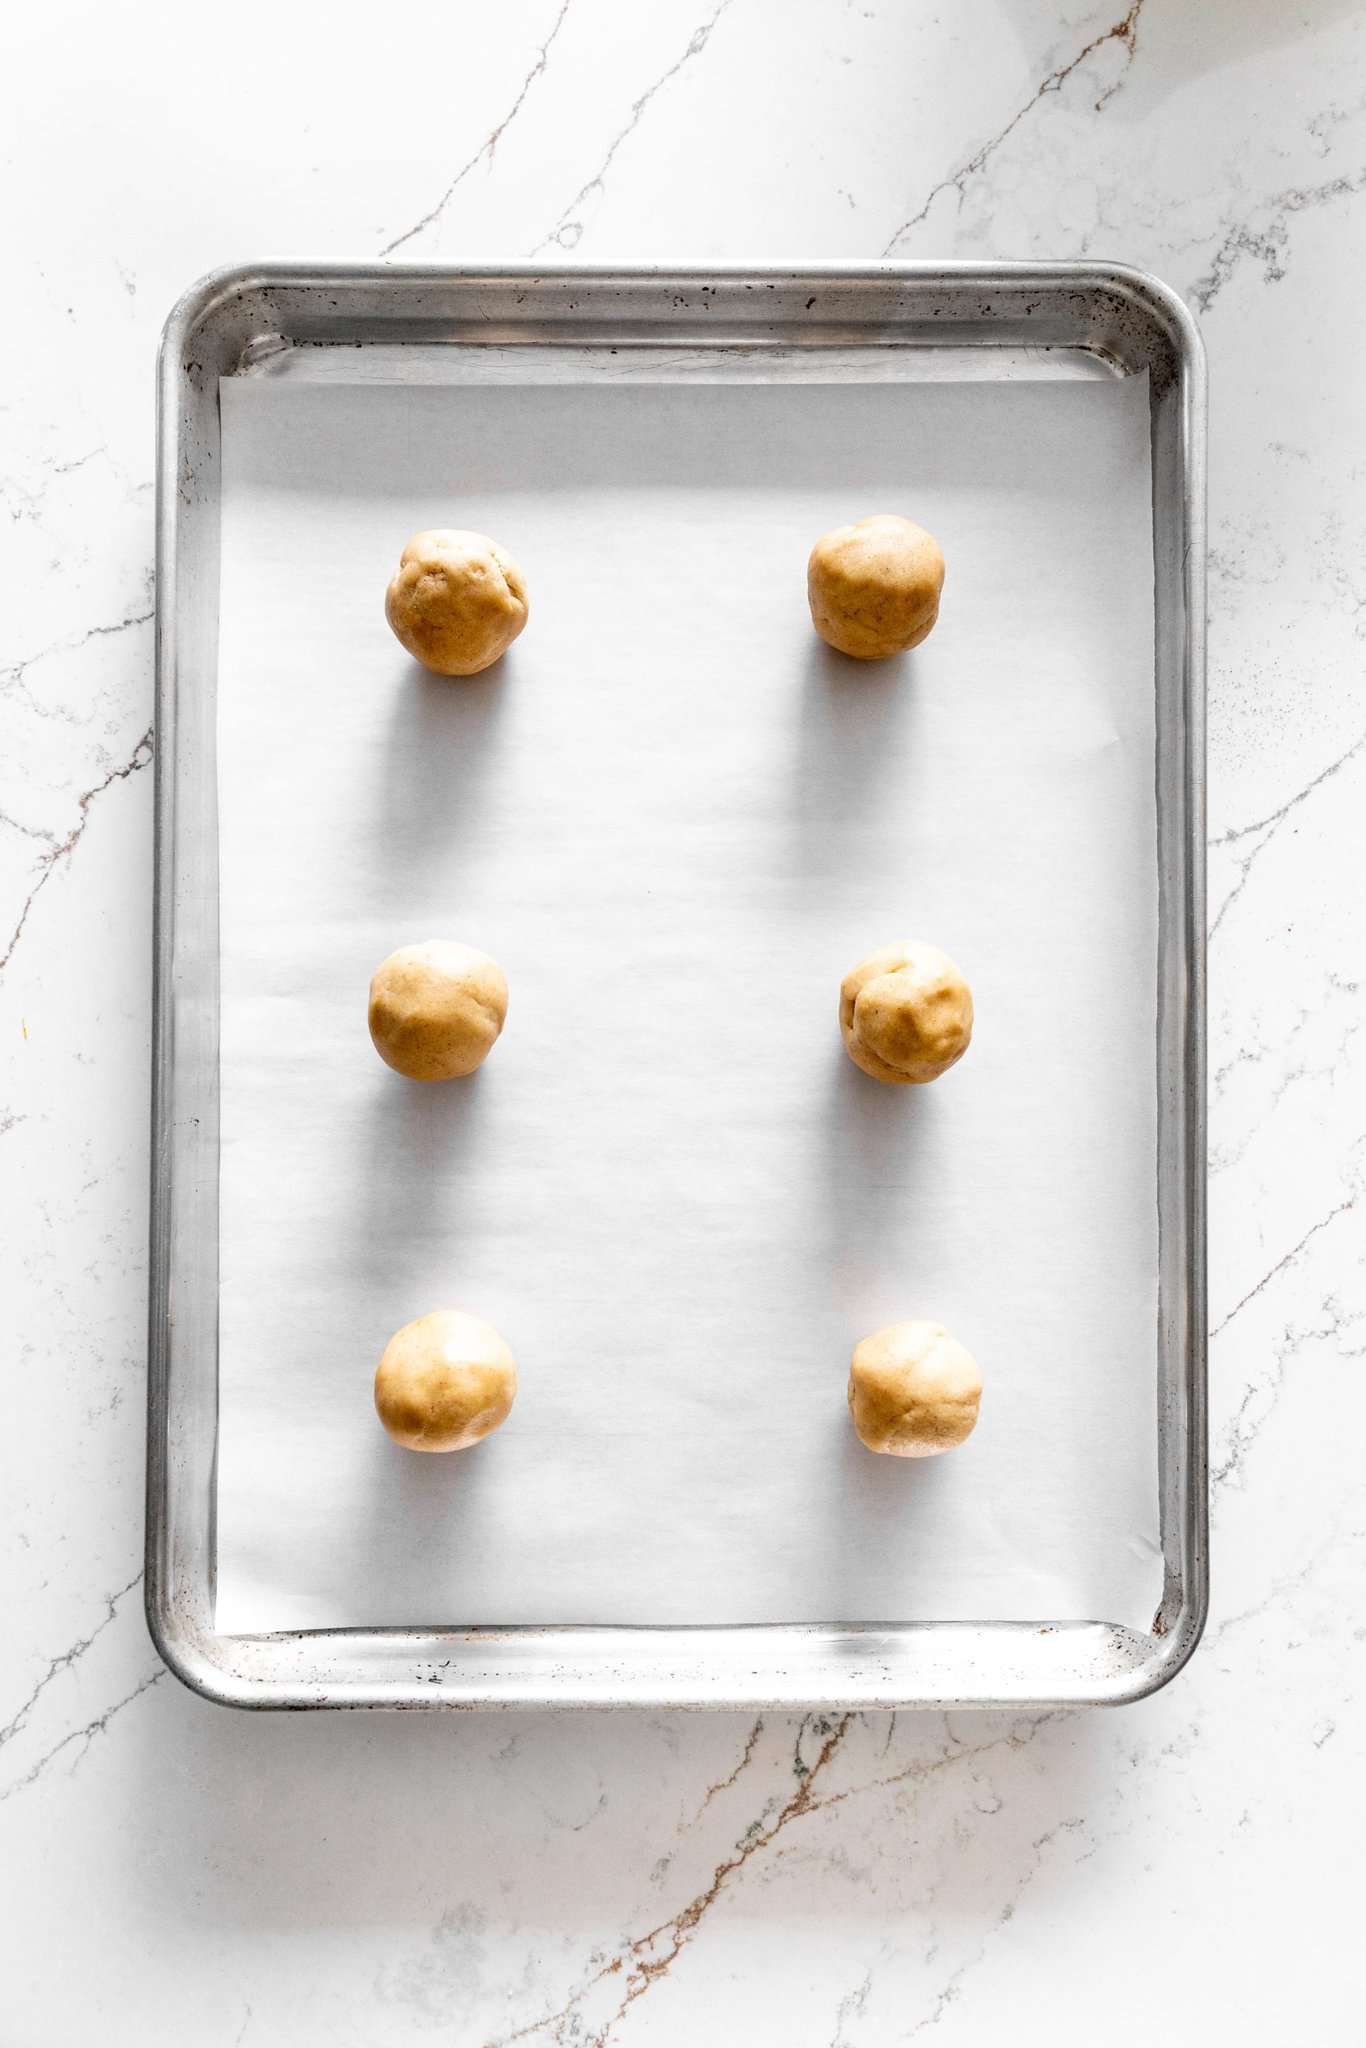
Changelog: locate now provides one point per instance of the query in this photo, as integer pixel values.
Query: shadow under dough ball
(436, 1009)
(444, 1382)
(906, 1013)
(874, 586)
(457, 600)
(913, 1390)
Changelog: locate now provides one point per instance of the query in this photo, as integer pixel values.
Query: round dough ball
(437, 1009)
(906, 1013)
(457, 601)
(913, 1390)
(874, 586)
(444, 1382)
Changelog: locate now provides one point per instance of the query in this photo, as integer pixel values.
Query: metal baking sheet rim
(238, 318)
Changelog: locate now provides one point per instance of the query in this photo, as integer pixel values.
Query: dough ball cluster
(457, 602)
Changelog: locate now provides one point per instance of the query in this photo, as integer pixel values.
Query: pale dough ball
(874, 586)
(913, 1390)
(906, 1013)
(457, 601)
(444, 1382)
(437, 1009)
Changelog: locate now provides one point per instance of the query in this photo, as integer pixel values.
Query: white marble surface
(174, 1873)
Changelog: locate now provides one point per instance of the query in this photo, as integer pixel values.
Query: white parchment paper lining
(676, 820)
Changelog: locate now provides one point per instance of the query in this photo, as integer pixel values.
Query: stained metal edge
(165, 1638)
(613, 1684)
(230, 285)
(1194, 1614)
(1186, 1625)
(179, 1643)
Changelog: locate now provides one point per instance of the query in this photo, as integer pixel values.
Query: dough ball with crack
(913, 1390)
(906, 1013)
(457, 600)
(444, 1382)
(436, 1009)
(874, 586)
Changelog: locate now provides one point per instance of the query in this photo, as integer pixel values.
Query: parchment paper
(676, 820)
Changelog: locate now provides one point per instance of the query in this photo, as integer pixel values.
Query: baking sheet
(676, 820)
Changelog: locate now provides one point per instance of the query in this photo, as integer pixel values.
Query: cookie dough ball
(913, 1390)
(906, 1013)
(436, 1009)
(444, 1382)
(457, 601)
(874, 586)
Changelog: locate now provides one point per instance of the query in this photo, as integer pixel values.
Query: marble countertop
(171, 1872)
